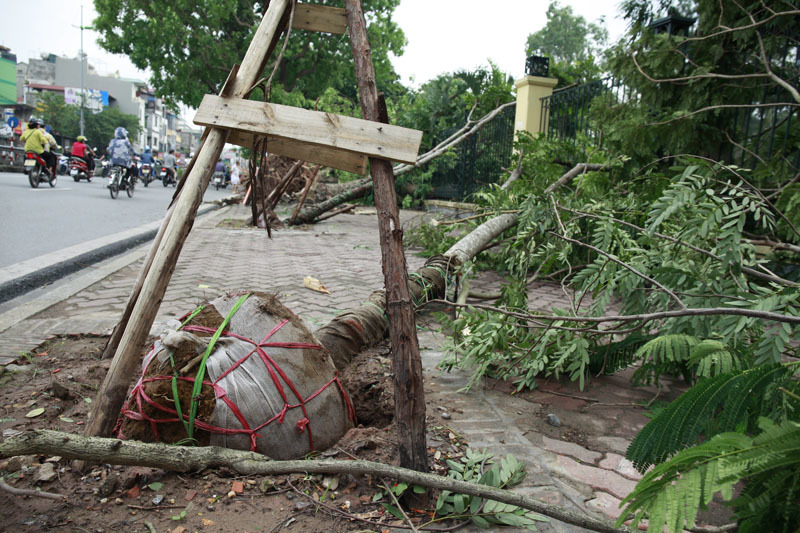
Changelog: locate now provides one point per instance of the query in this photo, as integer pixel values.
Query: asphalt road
(43, 220)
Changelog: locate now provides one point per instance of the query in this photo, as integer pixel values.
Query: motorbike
(105, 167)
(219, 180)
(37, 171)
(146, 173)
(117, 179)
(79, 169)
(167, 176)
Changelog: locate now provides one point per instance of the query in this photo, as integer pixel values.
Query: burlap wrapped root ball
(268, 385)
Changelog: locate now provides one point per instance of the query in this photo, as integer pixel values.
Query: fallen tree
(363, 187)
(350, 332)
(189, 459)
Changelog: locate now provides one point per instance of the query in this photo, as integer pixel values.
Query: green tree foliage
(571, 43)
(696, 93)
(191, 46)
(736, 425)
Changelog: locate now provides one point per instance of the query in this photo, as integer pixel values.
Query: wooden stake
(309, 184)
(111, 395)
(408, 392)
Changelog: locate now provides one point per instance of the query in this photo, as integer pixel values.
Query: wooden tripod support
(323, 138)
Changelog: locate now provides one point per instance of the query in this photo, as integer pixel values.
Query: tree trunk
(409, 394)
(194, 459)
(350, 332)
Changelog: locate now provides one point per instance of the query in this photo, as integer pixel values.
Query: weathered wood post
(409, 397)
(111, 394)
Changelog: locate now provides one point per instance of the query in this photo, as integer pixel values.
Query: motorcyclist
(51, 147)
(169, 163)
(35, 141)
(81, 149)
(147, 156)
(119, 150)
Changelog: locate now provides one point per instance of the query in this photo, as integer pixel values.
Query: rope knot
(302, 423)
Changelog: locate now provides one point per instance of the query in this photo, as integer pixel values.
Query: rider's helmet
(121, 133)
(81, 138)
(37, 122)
(146, 148)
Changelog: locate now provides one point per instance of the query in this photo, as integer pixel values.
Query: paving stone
(570, 448)
(619, 464)
(606, 504)
(617, 444)
(596, 478)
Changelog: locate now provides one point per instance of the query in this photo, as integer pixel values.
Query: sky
(443, 35)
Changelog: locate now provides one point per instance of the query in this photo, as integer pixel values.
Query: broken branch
(184, 459)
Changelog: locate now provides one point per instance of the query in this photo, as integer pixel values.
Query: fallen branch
(580, 168)
(517, 172)
(28, 492)
(644, 317)
(184, 459)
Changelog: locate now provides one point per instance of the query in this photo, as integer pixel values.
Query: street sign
(13, 122)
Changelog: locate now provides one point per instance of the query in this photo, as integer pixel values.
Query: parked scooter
(37, 170)
(79, 169)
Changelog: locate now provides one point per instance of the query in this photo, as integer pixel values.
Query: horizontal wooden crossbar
(364, 137)
(312, 153)
(315, 17)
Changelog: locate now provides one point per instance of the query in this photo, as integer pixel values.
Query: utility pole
(83, 67)
(83, 58)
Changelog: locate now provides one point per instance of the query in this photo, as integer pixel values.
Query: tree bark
(192, 459)
(409, 394)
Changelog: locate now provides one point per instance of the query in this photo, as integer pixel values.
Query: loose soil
(60, 378)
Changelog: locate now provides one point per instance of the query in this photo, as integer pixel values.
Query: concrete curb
(25, 276)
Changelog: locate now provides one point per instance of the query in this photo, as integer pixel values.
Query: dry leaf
(315, 285)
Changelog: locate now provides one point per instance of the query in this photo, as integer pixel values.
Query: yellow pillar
(530, 90)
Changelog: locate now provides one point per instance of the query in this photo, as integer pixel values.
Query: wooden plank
(313, 153)
(373, 139)
(315, 17)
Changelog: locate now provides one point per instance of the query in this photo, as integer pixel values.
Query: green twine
(201, 372)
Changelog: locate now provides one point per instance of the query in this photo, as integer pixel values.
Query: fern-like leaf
(672, 492)
(717, 404)
(665, 354)
(713, 358)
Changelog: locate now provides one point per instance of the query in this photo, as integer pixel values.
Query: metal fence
(749, 136)
(565, 113)
(479, 160)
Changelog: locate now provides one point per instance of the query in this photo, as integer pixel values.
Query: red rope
(277, 375)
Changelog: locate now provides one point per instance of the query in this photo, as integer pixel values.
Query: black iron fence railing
(747, 136)
(565, 113)
(479, 160)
